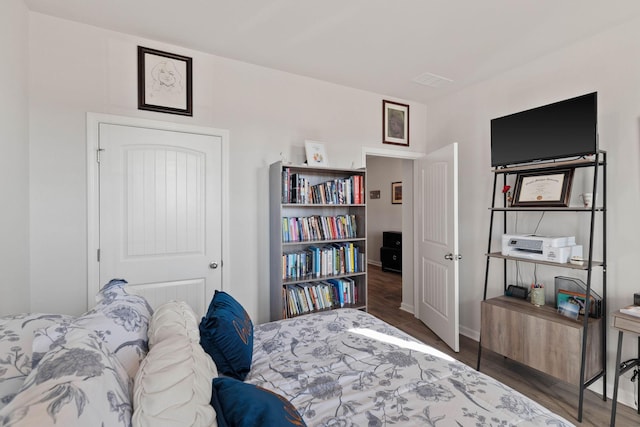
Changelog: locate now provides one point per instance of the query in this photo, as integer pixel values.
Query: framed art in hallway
(395, 123)
(396, 193)
(164, 82)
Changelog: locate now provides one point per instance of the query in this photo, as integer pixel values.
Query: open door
(436, 237)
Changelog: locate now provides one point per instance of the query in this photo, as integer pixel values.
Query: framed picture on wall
(164, 82)
(396, 193)
(395, 123)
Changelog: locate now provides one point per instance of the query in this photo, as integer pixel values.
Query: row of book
(328, 260)
(307, 297)
(316, 227)
(297, 188)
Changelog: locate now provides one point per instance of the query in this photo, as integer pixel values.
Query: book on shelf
(316, 227)
(632, 310)
(297, 188)
(327, 260)
(307, 297)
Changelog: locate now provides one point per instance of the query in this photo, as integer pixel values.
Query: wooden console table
(624, 323)
(540, 338)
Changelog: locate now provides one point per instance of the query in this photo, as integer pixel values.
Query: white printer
(541, 248)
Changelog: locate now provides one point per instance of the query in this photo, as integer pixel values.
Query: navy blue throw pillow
(240, 404)
(226, 334)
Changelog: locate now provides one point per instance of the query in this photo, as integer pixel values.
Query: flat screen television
(563, 129)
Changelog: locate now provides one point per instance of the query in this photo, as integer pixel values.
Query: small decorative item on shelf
(505, 190)
(537, 295)
(576, 260)
(587, 199)
(316, 154)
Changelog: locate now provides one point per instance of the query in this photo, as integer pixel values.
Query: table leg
(615, 381)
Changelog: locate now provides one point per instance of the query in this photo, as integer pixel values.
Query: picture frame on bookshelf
(396, 193)
(543, 189)
(395, 123)
(164, 82)
(316, 153)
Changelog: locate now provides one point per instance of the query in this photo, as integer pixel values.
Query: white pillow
(173, 318)
(119, 319)
(79, 384)
(173, 385)
(16, 341)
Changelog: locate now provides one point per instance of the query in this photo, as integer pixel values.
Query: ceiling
(374, 45)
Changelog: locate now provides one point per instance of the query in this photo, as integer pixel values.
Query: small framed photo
(316, 154)
(568, 309)
(396, 193)
(395, 123)
(164, 82)
(543, 189)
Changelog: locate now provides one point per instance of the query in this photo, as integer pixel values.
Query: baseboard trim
(408, 308)
(470, 333)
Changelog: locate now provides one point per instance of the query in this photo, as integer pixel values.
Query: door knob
(452, 257)
(213, 265)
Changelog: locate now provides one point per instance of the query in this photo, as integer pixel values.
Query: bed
(122, 364)
(348, 368)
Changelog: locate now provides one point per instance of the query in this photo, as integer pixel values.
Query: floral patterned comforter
(347, 368)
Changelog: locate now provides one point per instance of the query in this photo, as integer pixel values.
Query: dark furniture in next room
(391, 251)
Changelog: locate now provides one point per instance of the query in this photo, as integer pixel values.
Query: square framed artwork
(396, 193)
(164, 82)
(316, 154)
(395, 123)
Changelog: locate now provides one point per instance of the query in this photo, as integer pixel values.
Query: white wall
(14, 158)
(381, 214)
(78, 68)
(607, 63)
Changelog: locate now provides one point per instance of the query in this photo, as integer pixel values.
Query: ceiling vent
(432, 80)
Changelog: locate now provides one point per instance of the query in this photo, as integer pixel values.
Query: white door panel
(190, 291)
(437, 235)
(160, 212)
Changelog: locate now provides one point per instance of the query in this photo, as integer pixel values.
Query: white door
(437, 242)
(160, 212)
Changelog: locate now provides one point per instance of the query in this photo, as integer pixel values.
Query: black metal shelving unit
(599, 164)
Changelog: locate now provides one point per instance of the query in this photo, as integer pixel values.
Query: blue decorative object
(246, 405)
(226, 334)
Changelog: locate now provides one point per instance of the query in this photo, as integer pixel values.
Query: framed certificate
(543, 189)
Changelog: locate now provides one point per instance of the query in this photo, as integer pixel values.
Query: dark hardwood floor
(385, 295)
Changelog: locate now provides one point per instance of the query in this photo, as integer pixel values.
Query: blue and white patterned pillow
(16, 341)
(79, 384)
(119, 319)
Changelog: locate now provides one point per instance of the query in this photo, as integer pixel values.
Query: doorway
(405, 225)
